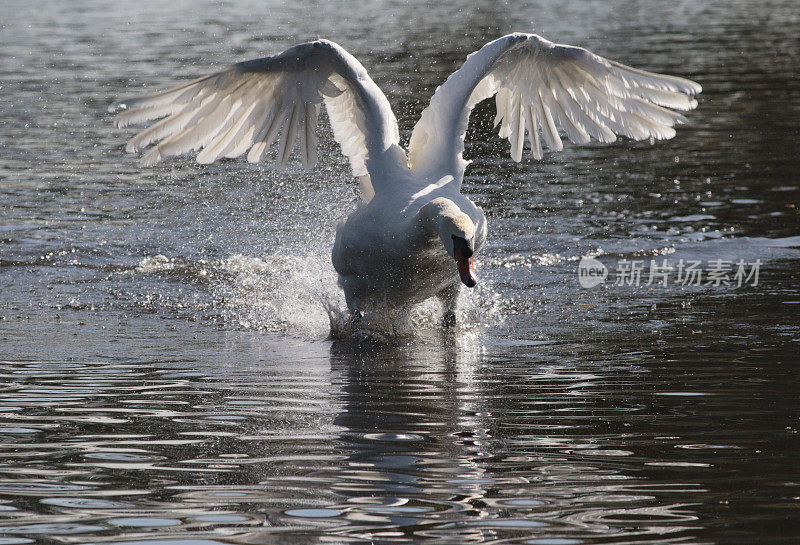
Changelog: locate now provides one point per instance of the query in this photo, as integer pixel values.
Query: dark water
(166, 376)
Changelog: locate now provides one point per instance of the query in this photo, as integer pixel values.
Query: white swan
(399, 245)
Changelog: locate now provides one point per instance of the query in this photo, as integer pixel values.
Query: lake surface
(167, 375)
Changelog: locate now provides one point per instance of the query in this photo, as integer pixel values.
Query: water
(166, 370)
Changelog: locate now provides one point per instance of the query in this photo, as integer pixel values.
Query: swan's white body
(389, 252)
(398, 246)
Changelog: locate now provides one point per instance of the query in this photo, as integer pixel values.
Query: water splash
(298, 295)
(280, 292)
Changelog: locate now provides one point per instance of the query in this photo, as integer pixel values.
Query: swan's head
(457, 233)
(456, 230)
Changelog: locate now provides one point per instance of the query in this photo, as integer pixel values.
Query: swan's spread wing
(253, 103)
(541, 87)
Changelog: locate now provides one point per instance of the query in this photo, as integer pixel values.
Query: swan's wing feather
(247, 107)
(541, 87)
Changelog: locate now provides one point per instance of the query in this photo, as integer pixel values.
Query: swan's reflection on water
(429, 453)
(417, 434)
